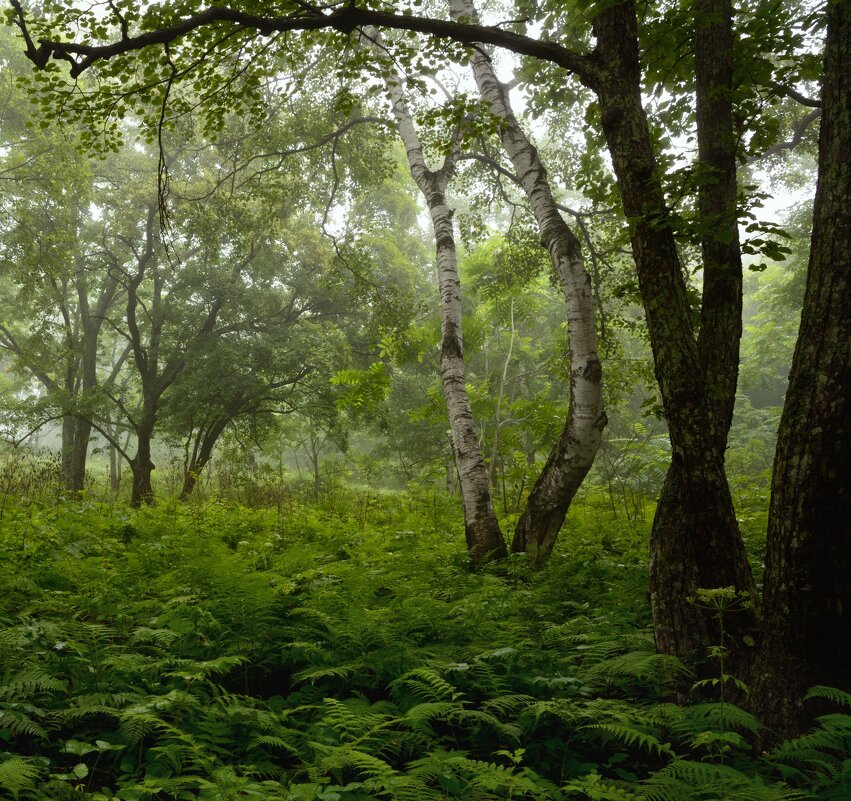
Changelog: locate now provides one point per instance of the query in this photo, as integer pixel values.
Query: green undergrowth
(214, 652)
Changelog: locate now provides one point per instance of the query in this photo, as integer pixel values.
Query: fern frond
(634, 737)
(832, 694)
(427, 685)
(313, 674)
(30, 681)
(18, 774)
(703, 781)
(273, 742)
(643, 665)
(345, 758)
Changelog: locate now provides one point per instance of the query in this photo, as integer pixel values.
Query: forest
(421, 400)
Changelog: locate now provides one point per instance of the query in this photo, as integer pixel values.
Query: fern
(685, 780)
(18, 719)
(425, 684)
(18, 774)
(832, 694)
(634, 737)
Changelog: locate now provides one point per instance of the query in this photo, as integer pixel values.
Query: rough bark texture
(483, 535)
(721, 307)
(695, 540)
(720, 320)
(807, 602)
(572, 456)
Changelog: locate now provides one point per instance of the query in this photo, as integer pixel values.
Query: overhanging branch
(345, 19)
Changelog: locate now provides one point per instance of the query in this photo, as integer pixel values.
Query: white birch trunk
(572, 456)
(483, 535)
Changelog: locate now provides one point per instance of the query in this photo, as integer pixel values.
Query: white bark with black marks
(572, 456)
(484, 538)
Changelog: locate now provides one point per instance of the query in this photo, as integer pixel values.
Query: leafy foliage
(216, 652)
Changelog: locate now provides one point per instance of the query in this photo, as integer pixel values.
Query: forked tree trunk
(696, 537)
(718, 350)
(806, 636)
(573, 454)
(482, 532)
(201, 454)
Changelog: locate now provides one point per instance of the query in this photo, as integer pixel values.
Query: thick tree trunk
(674, 560)
(696, 539)
(806, 636)
(76, 433)
(482, 532)
(79, 455)
(572, 456)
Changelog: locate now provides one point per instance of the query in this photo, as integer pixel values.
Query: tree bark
(202, 452)
(806, 636)
(482, 532)
(695, 539)
(141, 465)
(572, 456)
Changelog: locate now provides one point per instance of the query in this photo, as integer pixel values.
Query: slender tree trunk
(483, 536)
(114, 470)
(482, 532)
(806, 636)
(572, 456)
(68, 428)
(721, 307)
(141, 465)
(497, 417)
(696, 539)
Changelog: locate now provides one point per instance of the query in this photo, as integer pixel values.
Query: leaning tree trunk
(806, 636)
(483, 535)
(573, 454)
(696, 537)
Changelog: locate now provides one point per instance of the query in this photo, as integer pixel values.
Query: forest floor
(345, 653)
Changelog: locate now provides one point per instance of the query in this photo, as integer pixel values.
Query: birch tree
(481, 528)
(572, 456)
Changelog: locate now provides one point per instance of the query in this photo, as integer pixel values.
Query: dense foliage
(267, 362)
(344, 651)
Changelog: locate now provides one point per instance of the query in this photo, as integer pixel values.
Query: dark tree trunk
(114, 469)
(677, 565)
(201, 455)
(68, 426)
(807, 605)
(696, 539)
(76, 433)
(79, 453)
(721, 308)
(141, 465)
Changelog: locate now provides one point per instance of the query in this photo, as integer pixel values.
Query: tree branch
(344, 19)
